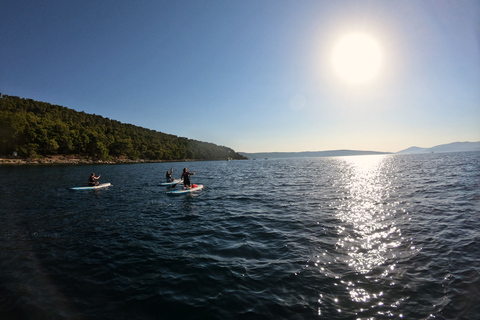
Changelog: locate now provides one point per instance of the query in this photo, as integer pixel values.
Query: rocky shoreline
(77, 161)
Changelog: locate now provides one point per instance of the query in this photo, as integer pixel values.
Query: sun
(357, 58)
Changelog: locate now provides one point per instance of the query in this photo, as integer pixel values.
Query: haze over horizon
(256, 76)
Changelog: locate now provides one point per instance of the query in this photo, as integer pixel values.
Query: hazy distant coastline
(329, 153)
(450, 147)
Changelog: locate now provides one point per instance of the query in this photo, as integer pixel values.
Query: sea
(359, 237)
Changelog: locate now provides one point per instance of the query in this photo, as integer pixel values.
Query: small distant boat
(100, 186)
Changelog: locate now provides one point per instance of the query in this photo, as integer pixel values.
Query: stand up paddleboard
(184, 191)
(100, 186)
(172, 183)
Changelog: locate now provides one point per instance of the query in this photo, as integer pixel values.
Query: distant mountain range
(450, 147)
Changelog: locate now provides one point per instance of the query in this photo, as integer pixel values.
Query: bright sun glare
(357, 58)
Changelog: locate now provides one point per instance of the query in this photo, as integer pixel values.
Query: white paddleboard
(100, 186)
(184, 191)
(172, 183)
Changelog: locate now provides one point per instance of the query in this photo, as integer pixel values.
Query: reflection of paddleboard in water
(100, 186)
(172, 183)
(195, 187)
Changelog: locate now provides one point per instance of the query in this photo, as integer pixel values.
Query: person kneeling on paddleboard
(169, 175)
(186, 178)
(92, 181)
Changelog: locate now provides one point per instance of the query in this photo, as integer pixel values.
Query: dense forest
(35, 129)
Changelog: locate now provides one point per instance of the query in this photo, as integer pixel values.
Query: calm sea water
(366, 237)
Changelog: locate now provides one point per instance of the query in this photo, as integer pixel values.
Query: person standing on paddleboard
(92, 181)
(186, 178)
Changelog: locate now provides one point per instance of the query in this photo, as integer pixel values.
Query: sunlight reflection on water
(367, 233)
(367, 229)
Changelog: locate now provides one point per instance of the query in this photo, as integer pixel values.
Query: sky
(256, 75)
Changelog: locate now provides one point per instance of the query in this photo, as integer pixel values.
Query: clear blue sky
(256, 76)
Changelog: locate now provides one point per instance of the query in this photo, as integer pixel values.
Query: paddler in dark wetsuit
(92, 180)
(186, 178)
(169, 175)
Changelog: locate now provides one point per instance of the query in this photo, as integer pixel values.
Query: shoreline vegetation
(69, 160)
(39, 132)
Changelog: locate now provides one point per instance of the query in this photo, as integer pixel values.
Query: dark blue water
(367, 237)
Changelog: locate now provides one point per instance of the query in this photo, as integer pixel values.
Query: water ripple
(371, 237)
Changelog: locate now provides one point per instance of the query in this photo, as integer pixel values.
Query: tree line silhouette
(37, 129)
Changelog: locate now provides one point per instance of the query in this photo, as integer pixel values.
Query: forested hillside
(35, 129)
